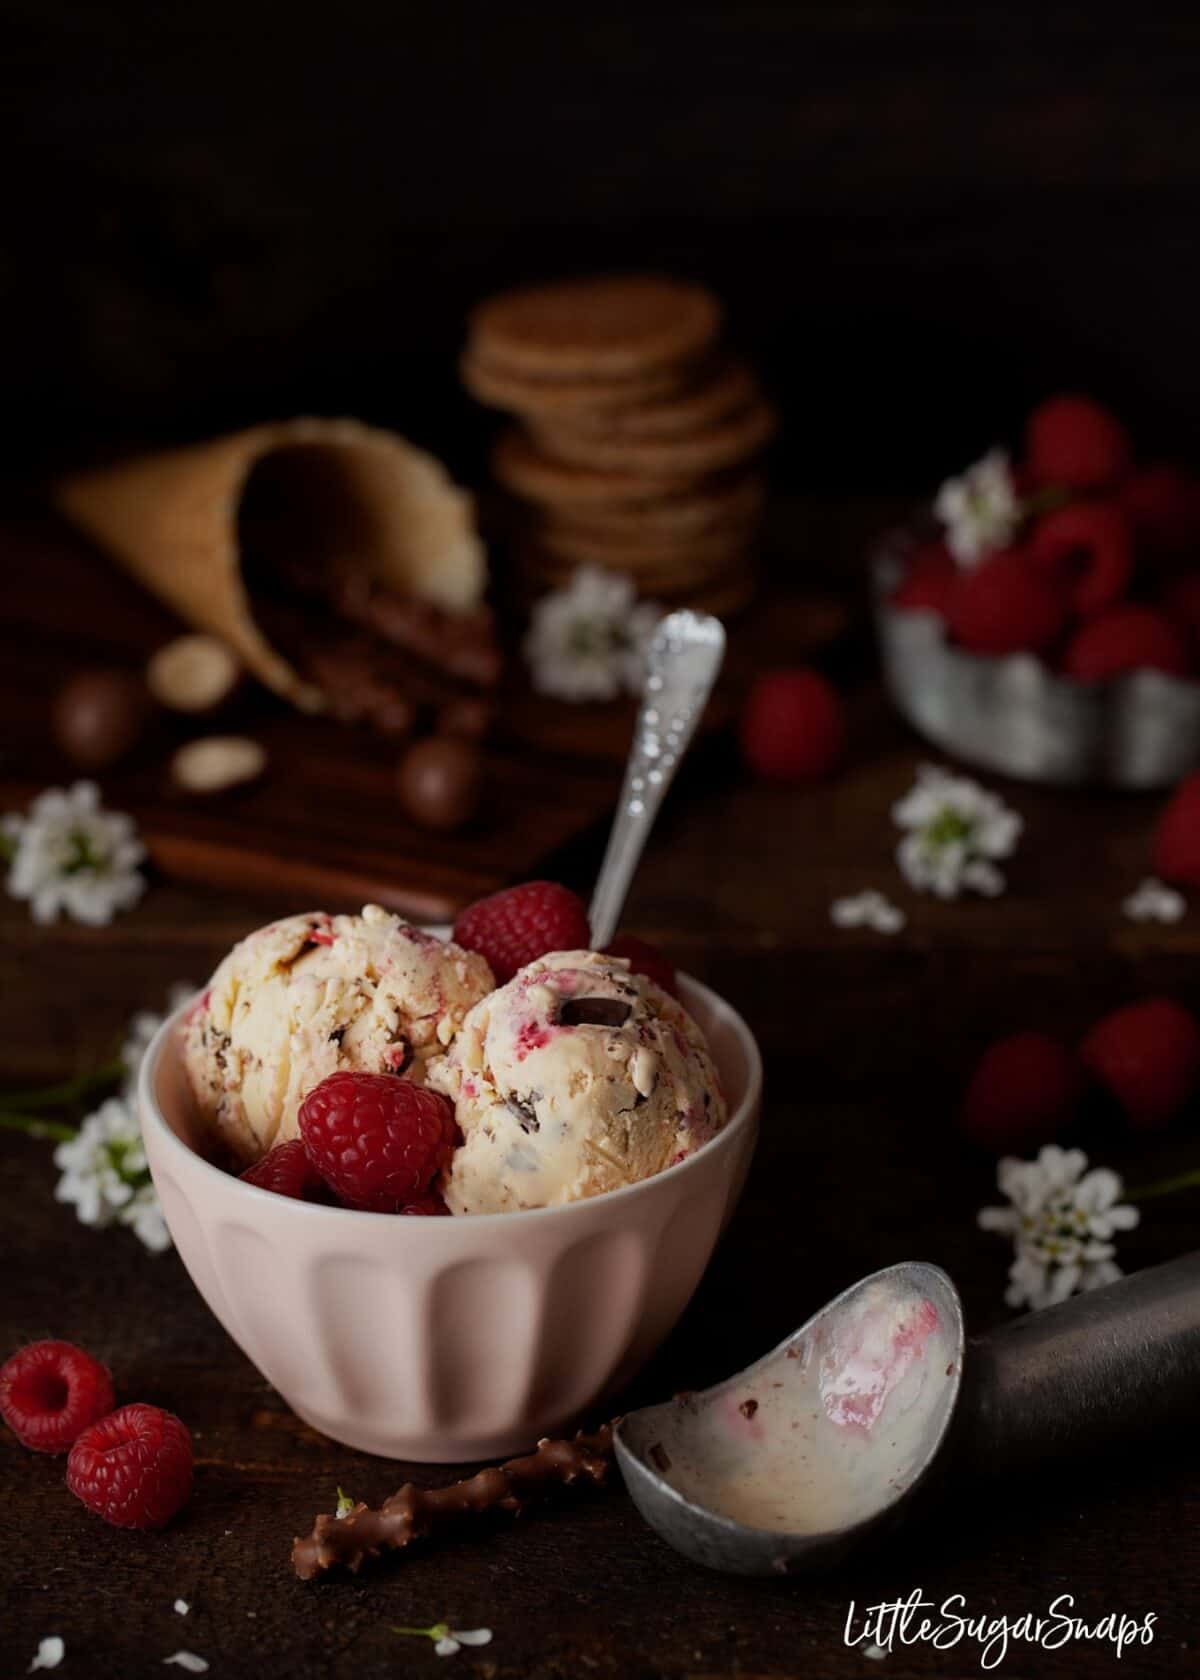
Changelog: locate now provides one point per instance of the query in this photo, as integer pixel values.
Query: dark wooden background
(923, 214)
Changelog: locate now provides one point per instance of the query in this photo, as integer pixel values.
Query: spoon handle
(1076, 1378)
(681, 668)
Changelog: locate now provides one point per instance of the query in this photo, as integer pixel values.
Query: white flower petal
(182, 1607)
(446, 1647)
(50, 1653)
(1098, 1190)
(189, 1661)
(473, 1636)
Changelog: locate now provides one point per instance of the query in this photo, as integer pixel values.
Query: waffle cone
(172, 521)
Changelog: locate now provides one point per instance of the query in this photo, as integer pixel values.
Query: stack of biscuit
(636, 437)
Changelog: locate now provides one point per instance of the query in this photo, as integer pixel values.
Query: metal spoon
(681, 667)
(885, 1389)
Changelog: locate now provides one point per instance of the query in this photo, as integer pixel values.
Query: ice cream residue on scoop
(825, 1434)
(575, 1078)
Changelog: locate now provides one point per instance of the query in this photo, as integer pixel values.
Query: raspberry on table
(1148, 1055)
(379, 1142)
(133, 1468)
(1126, 638)
(287, 1171)
(520, 924)
(1086, 550)
(1074, 442)
(646, 959)
(50, 1392)
(1024, 1090)
(1005, 605)
(793, 728)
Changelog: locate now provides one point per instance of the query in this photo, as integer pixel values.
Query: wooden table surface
(866, 1041)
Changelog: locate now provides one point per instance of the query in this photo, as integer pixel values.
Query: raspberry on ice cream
(287, 1171)
(378, 1141)
(515, 926)
(312, 995)
(576, 1078)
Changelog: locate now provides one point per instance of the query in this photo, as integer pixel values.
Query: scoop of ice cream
(313, 994)
(575, 1078)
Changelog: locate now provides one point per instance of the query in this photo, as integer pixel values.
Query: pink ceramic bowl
(447, 1339)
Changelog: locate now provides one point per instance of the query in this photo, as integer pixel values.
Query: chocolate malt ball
(439, 781)
(98, 717)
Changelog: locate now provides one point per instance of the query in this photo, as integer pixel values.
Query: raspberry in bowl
(580, 1135)
(1038, 619)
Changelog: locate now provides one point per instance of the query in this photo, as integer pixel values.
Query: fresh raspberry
(793, 728)
(929, 581)
(1148, 1055)
(1162, 505)
(645, 959)
(1126, 638)
(1074, 442)
(287, 1171)
(1086, 551)
(134, 1468)
(377, 1140)
(430, 1205)
(1177, 836)
(50, 1391)
(1181, 603)
(520, 924)
(1023, 1092)
(1006, 606)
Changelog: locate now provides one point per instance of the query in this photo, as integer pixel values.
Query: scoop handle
(1071, 1380)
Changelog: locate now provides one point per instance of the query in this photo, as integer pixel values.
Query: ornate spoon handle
(684, 659)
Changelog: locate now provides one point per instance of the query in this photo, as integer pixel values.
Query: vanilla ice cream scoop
(313, 994)
(576, 1077)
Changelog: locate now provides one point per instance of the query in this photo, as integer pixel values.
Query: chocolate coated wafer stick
(413, 1513)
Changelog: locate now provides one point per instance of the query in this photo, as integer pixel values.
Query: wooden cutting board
(324, 825)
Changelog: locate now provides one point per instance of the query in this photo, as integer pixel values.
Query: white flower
(448, 1640)
(1154, 902)
(1061, 1221)
(981, 510)
(69, 854)
(867, 909)
(588, 641)
(956, 830)
(105, 1176)
(182, 1607)
(142, 1029)
(50, 1653)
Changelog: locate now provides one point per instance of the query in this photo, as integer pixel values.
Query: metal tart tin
(1016, 716)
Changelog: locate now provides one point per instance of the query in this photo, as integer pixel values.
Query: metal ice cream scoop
(682, 663)
(785, 1466)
